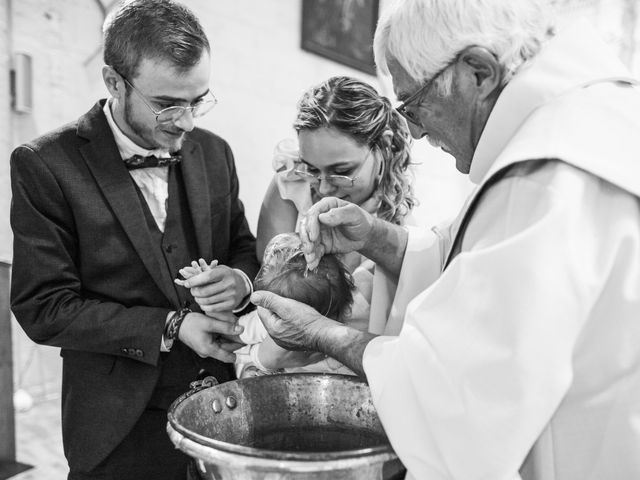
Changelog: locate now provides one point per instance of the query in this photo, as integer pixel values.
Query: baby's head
(328, 288)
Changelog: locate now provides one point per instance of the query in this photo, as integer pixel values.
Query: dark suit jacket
(85, 278)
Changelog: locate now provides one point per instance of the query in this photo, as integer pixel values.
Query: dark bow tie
(138, 161)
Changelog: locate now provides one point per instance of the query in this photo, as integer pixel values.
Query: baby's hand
(194, 269)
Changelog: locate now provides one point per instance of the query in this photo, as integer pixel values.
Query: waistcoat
(176, 248)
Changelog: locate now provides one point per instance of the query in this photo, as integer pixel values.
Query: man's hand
(217, 289)
(297, 326)
(293, 325)
(334, 226)
(211, 337)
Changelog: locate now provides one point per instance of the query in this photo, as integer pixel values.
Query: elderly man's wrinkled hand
(333, 226)
(292, 325)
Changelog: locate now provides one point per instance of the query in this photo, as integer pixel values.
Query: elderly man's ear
(482, 71)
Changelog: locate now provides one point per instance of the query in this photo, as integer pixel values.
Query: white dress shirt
(153, 182)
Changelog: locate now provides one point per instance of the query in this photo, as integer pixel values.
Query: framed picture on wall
(341, 30)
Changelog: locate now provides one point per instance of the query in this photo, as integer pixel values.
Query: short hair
(424, 35)
(152, 29)
(354, 108)
(328, 288)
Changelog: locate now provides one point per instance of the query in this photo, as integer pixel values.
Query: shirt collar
(575, 57)
(126, 146)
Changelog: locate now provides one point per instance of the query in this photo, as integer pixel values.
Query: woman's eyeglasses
(341, 181)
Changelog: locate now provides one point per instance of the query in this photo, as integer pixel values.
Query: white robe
(522, 360)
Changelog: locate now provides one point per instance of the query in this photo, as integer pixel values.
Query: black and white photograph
(320, 240)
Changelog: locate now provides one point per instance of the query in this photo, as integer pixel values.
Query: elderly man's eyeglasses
(418, 96)
(342, 181)
(174, 113)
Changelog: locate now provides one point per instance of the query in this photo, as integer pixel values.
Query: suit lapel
(103, 159)
(198, 195)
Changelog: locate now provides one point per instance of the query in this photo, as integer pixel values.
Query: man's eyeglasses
(341, 181)
(174, 113)
(418, 95)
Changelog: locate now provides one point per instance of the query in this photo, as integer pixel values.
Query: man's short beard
(140, 131)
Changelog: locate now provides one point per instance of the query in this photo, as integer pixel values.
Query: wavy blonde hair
(355, 108)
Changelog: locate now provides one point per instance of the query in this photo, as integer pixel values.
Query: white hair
(424, 35)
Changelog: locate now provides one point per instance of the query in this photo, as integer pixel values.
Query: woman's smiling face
(326, 151)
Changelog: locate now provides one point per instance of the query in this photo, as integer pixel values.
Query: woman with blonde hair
(351, 144)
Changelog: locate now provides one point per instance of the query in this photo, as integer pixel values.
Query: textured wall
(5, 132)
(60, 37)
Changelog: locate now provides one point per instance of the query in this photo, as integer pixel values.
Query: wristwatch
(173, 327)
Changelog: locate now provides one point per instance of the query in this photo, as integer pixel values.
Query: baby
(328, 289)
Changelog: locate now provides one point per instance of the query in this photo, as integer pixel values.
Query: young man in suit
(105, 212)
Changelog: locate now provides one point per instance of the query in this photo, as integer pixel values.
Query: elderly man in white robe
(519, 356)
